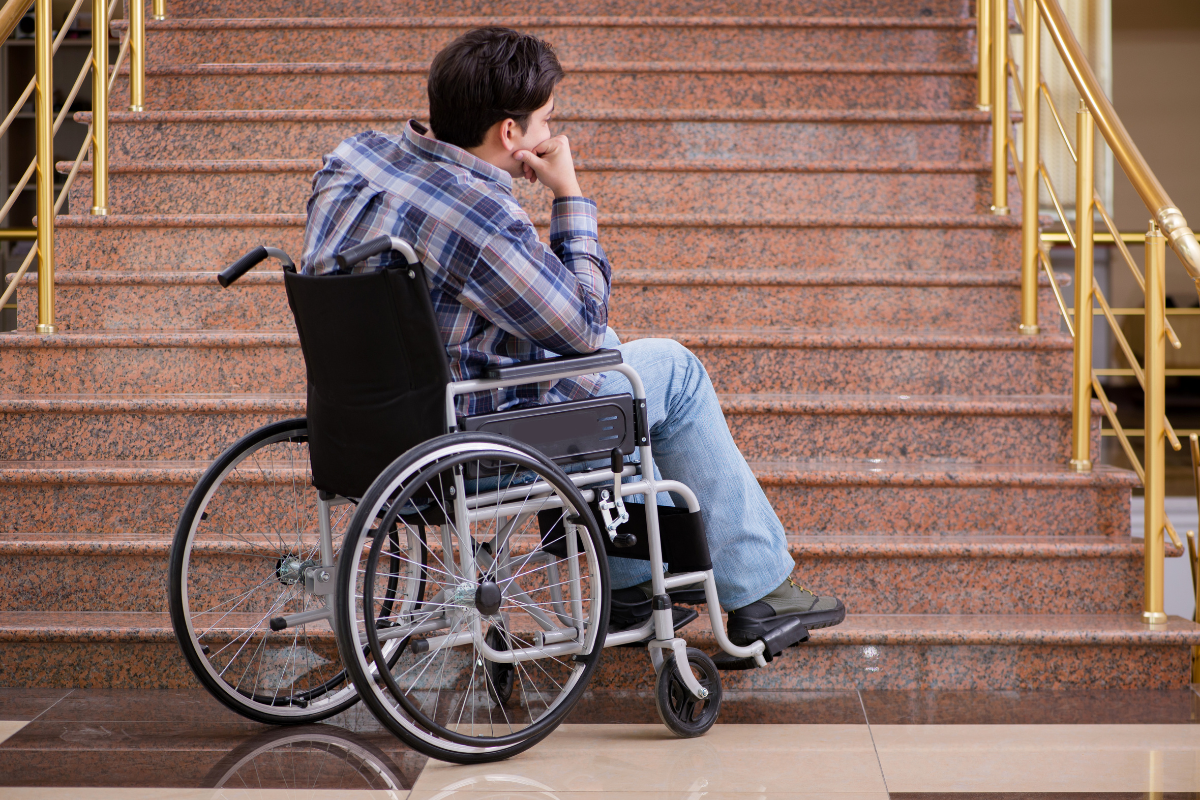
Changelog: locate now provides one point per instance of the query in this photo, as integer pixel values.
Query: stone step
(872, 575)
(640, 85)
(996, 430)
(619, 187)
(809, 361)
(905, 9)
(819, 496)
(817, 244)
(616, 39)
(885, 651)
(715, 299)
(619, 133)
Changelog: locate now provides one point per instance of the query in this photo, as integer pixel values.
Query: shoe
(631, 607)
(788, 602)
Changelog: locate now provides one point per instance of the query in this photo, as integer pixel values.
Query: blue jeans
(691, 444)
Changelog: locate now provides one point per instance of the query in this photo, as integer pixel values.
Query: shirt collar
(433, 150)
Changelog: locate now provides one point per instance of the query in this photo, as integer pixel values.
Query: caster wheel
(684, 714)
(501, 677)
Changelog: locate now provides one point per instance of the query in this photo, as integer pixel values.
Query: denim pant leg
(692, 444)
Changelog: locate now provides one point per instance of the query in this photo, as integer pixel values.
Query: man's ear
(505, 129)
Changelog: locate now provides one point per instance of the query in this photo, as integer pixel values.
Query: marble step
(871, 574)
(587, 85)
(723, 133)
(343, 8)
(875, 497)
(667, 186)
(884, 651)
(621, 39)
(979, 245)
(822, 361)
(715, 299)
(978, 430)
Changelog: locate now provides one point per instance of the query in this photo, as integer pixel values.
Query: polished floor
(93, 744)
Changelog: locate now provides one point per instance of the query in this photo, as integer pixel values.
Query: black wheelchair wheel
(684, 714)
(449, 691)
(246, 534)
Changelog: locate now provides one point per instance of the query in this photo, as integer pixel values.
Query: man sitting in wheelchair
(501, 297)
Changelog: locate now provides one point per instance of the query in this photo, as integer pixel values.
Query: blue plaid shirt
(500, 295)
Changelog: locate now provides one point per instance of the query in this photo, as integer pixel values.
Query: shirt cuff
(573, 218)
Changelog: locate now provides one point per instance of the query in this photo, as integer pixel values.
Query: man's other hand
(551, 163)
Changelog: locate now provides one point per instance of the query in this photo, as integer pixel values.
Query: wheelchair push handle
(252, 259)
(373, 247)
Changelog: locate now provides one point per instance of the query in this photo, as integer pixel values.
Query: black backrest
(377, 370)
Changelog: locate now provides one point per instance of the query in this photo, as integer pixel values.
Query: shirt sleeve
(554, 296)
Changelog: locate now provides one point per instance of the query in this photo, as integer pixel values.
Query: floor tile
(759, 759)
(245, 755)
(8, 728)
(1105, 707)
(1039, 758)
(26, 704)
(142, 705)
(737, 707)
(201, 794)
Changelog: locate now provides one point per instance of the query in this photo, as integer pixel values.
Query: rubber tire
(676, 705)
(346, 623)
(180, 547)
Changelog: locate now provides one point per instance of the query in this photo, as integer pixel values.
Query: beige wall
(1156, 91)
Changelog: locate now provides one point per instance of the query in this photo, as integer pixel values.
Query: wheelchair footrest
(782, 634)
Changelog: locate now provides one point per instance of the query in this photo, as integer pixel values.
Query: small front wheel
(686, 715)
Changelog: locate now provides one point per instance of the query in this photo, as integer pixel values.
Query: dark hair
(485, 76)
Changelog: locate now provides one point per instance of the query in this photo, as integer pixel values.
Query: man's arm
(556, 298)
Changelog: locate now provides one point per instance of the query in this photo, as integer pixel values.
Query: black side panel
(377, 370)
(566, 432)
(684, 543)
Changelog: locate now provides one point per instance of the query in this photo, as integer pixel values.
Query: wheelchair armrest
(532, 370)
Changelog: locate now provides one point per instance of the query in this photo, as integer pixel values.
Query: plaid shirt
(499, 294)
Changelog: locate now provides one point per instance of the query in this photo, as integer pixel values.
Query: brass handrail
(1168, 217)
(46, 125)
(1167, 224)
(11, 14)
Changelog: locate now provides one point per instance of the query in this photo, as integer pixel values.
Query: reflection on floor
(97, 745)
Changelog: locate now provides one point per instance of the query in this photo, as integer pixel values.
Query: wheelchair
(452, 572)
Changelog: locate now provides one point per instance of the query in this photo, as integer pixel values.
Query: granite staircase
(795, 190)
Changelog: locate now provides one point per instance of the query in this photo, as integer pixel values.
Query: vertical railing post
(1155, 405)
(999, 47)
(1029, 166)
(983, 15)
(44, 139)
(1081, 392)
(99, 107)
(159, 10)
(137, 54)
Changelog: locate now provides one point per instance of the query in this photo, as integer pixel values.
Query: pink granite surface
(390, 8)
(657, 133)
(619, 39)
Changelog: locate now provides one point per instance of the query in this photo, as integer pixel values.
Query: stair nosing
(674, 21)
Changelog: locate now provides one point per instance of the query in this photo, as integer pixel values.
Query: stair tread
(270, 274)
(790, 402)
(824, 472)
(883, 115)
(855, 220)
(308, 165)
(679, 21)
(731, 337)
(578, 67)
(892, 629)
(823, 544)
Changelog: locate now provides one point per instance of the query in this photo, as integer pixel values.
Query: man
(501, 296)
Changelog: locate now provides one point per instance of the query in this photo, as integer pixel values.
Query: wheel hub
(290, 569)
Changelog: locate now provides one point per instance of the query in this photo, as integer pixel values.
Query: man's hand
(551, 163)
